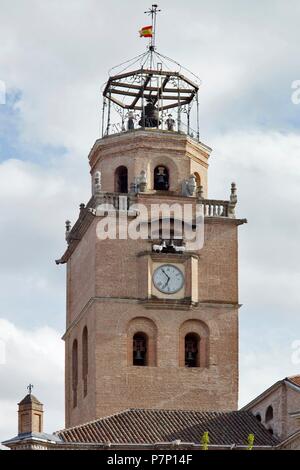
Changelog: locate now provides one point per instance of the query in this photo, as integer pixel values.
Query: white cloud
(35, 201)
(266, 167)
(31, 356)
(61, 61)
(262, 367)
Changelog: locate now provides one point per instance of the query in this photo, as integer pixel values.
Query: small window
(140, 343)
(121, 180)
(161, 178)
(271, 431)
(192, 344)
(258, 417)
(269, 413)
(85, 360)
(74, 371)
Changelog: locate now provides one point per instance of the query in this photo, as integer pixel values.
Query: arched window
(258, 417)
(269, 413)
(271, 431)
(140, 346)
(161, 178)
(192, 350)
(193, 344)
(85, 359)
(121, 180)
(141, 342)
(74, 371)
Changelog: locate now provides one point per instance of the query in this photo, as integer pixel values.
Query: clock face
(168, 279)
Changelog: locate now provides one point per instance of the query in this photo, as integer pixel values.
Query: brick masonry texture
(108, 291)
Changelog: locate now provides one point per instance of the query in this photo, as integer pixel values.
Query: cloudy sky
(54, 57)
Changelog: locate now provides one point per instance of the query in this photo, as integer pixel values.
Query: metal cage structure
(152, 95)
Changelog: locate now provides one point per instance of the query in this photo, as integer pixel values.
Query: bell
(138, 356)
(190, 356)
(160, 179)
(150, 116)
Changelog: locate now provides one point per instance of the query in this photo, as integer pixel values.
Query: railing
(121, 201)
(118, 201)
(182, 128)
(215, 208)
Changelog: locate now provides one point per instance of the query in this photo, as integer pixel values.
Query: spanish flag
(146, 32)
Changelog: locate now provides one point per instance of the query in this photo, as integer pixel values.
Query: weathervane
(29, 388)
(153, 12)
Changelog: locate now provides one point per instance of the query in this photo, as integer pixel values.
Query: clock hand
(166, 274)
(166, 283)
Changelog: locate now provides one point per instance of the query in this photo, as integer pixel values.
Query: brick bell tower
(150, 322)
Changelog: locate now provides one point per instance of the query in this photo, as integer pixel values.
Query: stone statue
(192, 185)
(200, 192)
(97, 183)
(170, 123)
(130, 122)
(142, 181)
(189, 186)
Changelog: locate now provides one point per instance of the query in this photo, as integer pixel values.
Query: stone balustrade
(118, 201)
(215, 208)
(211, 207)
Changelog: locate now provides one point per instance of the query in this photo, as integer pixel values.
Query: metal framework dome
(144, 92)
(164, 88)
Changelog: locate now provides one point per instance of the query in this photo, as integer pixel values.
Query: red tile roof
(295, 379)
(138, 426)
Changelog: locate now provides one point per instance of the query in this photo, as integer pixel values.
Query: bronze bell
(190, 356)
(150, 117)
(138, 356)
(160, 179)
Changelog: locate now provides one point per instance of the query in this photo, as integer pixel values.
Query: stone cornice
(169, 256)
(150, 139)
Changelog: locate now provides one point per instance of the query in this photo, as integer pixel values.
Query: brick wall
(109, 291)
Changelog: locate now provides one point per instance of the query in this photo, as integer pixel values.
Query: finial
(143, 181)
(200, 192)
(68, 229)
(29, 388)
(97, 183)
(232, 201)
(134, 185)
(81, 207)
